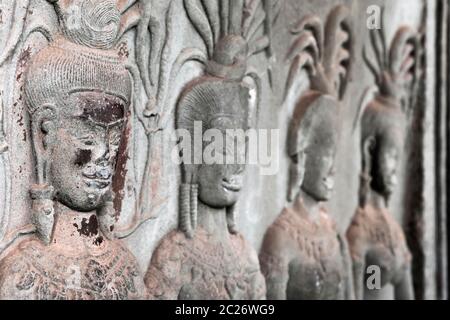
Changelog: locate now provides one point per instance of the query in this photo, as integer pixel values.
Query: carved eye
(88, 141)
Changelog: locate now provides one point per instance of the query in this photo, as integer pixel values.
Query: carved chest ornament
(374, 236)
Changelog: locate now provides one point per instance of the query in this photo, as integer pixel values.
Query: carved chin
(219, 199)
(87, 199)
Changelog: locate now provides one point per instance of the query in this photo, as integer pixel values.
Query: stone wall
(149, 211)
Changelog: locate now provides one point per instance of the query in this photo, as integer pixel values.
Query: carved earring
(42, 193)
(107, 217)
(188, 208)
(365, 176)
(296, 169)
(231, 219)
(43, 130)
(42, 211)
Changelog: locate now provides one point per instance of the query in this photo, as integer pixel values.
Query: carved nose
(102, 153)
(104, 173)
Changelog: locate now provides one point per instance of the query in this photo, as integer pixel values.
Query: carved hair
(64, 67)
(97, 22)
(232, 32)
(212, 98)
(75, 61)
(325, 53)
(382, 125)
(314, 123)
(383, 120)
(208, 99)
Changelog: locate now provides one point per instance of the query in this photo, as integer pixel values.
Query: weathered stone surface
(137, 59)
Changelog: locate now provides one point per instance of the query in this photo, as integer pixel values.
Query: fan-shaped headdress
(232, 32)
(325, 53)
(383, 120)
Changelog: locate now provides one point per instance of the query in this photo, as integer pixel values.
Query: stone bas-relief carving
(61, 192)
(303, 256)
(207, 258)
(374, 236)
(78, 94)
(3, 144)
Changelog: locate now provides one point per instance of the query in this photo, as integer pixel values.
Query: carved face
(318, 181)
(85, 148)
(220, 184)
(384, 175)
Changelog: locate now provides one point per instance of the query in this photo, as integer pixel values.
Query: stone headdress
(325, 53)
(79, 58)
(232, 31)
(383, 120)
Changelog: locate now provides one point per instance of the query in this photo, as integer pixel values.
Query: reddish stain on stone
(118, 183)
(24, 57)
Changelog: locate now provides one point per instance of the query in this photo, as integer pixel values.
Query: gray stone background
(414, 204)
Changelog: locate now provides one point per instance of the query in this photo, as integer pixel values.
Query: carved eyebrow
(101, 124)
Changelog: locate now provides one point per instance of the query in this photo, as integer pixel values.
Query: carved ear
(252, 102)
(43, 131)
(296, 174)
(107, 216)
(367, 149)
(43, 125)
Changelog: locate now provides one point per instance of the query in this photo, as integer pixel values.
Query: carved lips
(97, 177)
(234, 184)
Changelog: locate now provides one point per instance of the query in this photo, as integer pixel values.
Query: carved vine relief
(85, 91)
(374, 236)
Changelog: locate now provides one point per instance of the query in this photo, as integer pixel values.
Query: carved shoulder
(18, 278)
(246, 251)
(248, 254)
(358, 234)
(274, 241)
(274, 255)
(163, 278)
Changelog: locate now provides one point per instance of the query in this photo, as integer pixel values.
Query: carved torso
(35, 271)
(204, 268)
(307, 254)
(376, 238)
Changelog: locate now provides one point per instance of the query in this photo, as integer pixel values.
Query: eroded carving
(303, 256)
(374, 236)
(3, 144)
(207, 258)
(78, 92)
